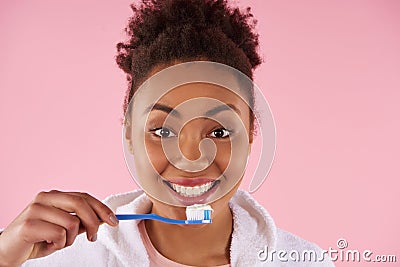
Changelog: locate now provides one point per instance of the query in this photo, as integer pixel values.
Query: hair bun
(164, 31)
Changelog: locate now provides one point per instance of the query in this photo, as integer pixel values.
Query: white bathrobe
(254, 233)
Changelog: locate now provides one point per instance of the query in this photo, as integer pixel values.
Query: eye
(163, 132)
(220, 133)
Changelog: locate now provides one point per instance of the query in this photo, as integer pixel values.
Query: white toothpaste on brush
(199, 212)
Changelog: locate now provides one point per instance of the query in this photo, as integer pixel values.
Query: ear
(128, 134)
(251, 135)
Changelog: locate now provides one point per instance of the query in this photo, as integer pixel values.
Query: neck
(194, 244)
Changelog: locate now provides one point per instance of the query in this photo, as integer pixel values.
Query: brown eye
(164, 132)
(220, 133)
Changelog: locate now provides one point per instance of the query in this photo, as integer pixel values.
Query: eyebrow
(220, 108)
(174, 112)
(162, 107)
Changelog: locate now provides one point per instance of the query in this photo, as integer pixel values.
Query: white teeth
(196, 190)
(188, 191)
(203, 188)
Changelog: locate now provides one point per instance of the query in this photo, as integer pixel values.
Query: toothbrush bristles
(198, 213)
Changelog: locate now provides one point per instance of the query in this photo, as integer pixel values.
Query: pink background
(331, 75)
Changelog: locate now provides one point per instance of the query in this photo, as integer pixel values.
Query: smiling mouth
(192, 191)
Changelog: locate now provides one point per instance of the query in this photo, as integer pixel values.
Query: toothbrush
(195, 214)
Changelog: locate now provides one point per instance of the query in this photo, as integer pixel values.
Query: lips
(191, 187)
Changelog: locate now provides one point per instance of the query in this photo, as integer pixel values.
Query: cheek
(223, 156)
(156, 156)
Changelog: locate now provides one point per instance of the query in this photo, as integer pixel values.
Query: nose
(189, 144)
(196, 153)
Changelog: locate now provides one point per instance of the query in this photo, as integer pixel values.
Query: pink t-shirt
(156, 259)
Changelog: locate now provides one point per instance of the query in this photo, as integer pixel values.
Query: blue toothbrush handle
(152, 216)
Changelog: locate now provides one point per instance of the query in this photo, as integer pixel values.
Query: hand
(47, 225)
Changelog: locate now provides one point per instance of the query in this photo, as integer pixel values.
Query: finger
(56, 216)
(73, 203)
(102, 211)
(25, 238)
(36, 230)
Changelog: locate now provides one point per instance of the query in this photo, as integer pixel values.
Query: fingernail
(113, 219)
(94, 237)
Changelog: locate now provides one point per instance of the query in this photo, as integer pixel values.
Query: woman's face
(191, 146)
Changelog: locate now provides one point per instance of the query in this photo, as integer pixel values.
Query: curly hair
(161, 32)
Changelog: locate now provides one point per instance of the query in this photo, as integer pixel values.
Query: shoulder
(255, 232)
(288, 240)
(296, 249)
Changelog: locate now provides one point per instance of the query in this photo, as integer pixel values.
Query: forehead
(189, 81)
(192, 100)
(199, 90)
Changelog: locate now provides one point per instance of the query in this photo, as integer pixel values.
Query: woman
(164, 34)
